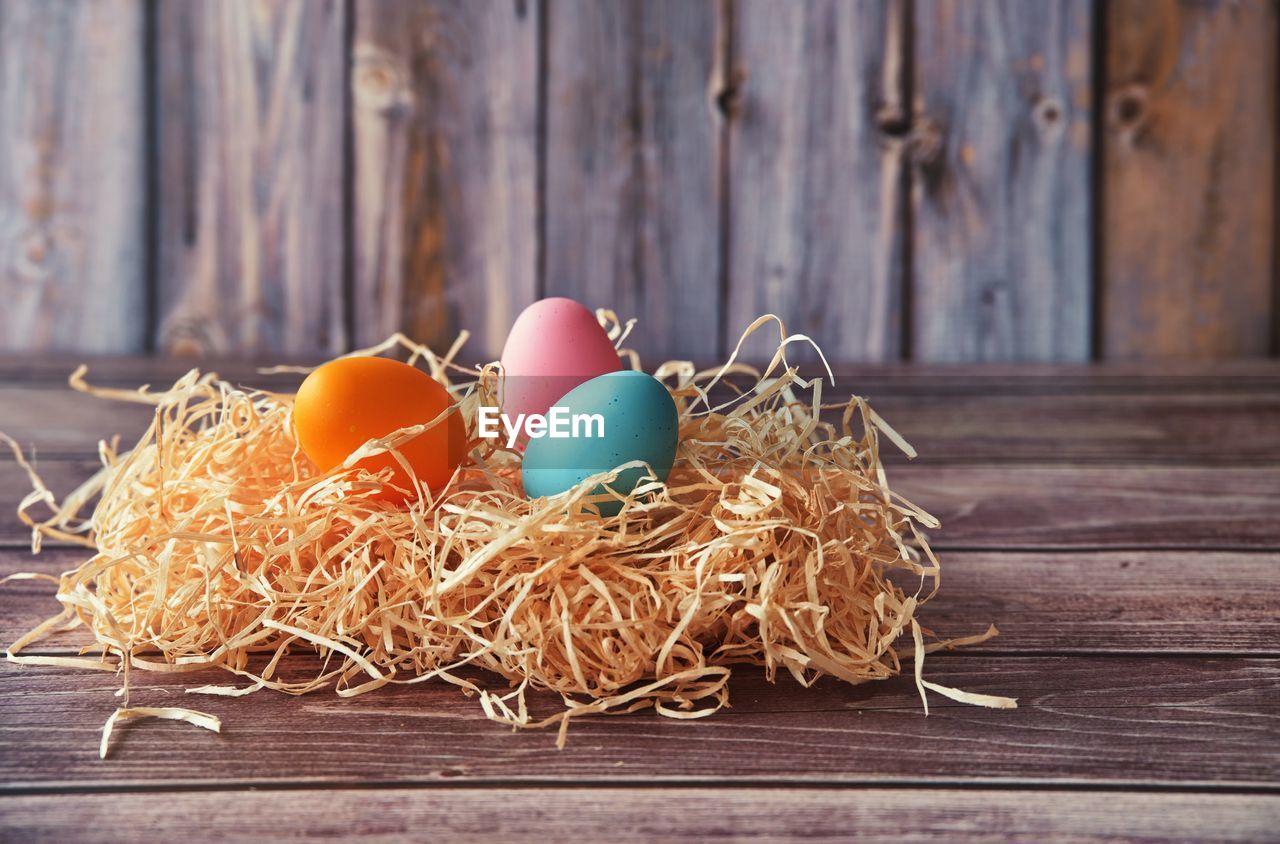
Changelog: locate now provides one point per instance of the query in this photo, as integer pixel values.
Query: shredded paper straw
(215, 542)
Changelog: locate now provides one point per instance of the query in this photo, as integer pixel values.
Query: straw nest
(217, 543)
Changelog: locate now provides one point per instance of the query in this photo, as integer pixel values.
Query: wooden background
(935, 180)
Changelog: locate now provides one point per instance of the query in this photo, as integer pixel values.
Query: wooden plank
(1087, 681)
(648, 814)
(250, 205)
(815, 187)
(1242, 375)
(1112, 601)
(988, 506)
(1171, 428)
(632, 202)
(62, 422)
(72, 179)
(61, 476)
(445, 132)
(1077, 602)
(1110, 726)
(1001, 186)
(1190, 103)
(1064, 506)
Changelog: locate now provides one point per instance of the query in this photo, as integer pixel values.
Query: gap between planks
(995, 785)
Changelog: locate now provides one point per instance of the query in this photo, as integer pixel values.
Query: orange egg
(346, 402)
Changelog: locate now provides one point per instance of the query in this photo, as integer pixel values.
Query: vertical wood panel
(632, 208)
(1188, 205)
(250, 133)
(1001, 180)
(72, 184)
(445, 98)
(816, 189)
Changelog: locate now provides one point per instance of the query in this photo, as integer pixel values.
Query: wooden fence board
(250, 170)
(1001, 159)
(1075, 601)
(1188, 175)
(323, 178)
(632, 197)
(72, 177)
(647, 814)
(445, 110)
(815, 187)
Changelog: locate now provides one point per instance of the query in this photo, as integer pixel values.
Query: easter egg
(638, 421)
(346, 402)
(554, 345)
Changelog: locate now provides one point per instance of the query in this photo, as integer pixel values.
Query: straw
(775, 542)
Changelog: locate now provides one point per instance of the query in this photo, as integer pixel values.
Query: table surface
(1120, 525)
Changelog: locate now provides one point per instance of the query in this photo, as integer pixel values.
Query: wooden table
(1121, 525)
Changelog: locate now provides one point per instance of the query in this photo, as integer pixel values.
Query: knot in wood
(1049, 115)
(926, 142)
(727, 97)
(1127, 110)
(190, 335)
(378, 81)
(36, 254)
(892, 120)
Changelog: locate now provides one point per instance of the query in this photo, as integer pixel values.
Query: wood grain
(1219, 726)
(647, 814)
(330, 171)
(445, 99)
(1112, 601)
(1188, 174)
(54, 422)
(72, 179)
(250, 206)
(1001, 156)
(1242, 375)
(1173, 428)
(632, 202)
(1135, 669)
(1064, 506)
(1079, 602)
(1225, 429)
(816, 189)
(1031, 507)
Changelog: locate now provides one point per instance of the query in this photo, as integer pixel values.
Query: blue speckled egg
(640, 423)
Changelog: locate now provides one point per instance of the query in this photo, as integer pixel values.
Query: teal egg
(639, 423)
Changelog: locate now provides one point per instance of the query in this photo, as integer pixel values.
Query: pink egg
(554, 345)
